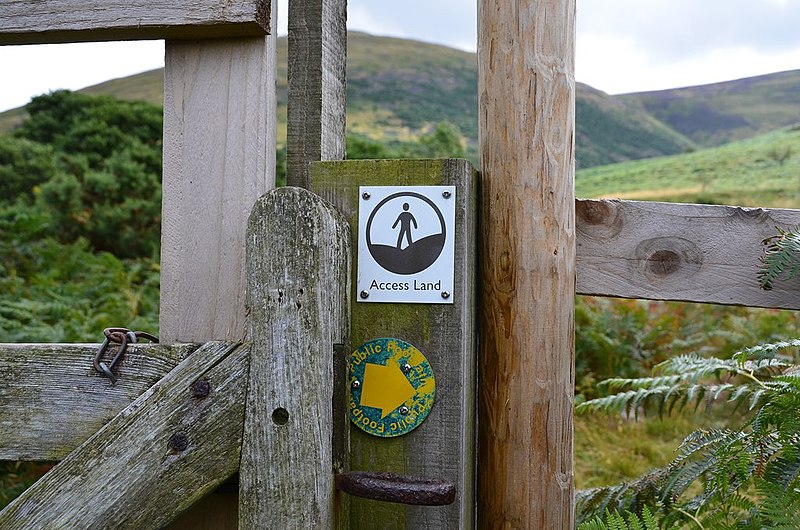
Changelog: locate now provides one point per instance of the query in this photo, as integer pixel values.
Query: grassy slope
(397, 88)
(747, 173)
(721, 112)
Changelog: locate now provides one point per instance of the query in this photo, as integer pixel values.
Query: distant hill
(398, 88)
(610, 130)
(721, 112)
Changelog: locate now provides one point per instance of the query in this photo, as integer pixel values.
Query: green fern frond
(615, 521)
(781, 255)
(778, 507)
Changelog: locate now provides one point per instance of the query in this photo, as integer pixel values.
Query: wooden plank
(689, 252)
(315, 128)
(52, 399)
(298, 290)
(52, 21)
(219, 157)
(443, 447)
(526, 88)
(219, 152)
(168, 448)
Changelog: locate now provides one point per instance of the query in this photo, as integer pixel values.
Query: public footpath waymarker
(392, 387)
(406, 242)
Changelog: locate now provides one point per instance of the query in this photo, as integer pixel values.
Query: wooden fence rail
(51, 21)
(171, 446)
(687, 252)
(52, 399)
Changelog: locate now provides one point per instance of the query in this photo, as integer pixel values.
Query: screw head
(201, 388)
(446, 194)
(445, 294)
(355, 385)
(366, 195)
(404, 410)
(364, 294)
(406, 368)
(178, 442)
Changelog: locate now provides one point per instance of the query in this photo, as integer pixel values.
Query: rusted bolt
(178, 442)
(201, 388)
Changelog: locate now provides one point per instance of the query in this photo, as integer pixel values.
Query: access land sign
(406, 242)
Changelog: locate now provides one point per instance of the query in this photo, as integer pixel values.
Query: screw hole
(280, 416)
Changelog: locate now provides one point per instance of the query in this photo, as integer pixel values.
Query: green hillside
(398, 89)
(718, 113)
(610, 130)
(760, 171)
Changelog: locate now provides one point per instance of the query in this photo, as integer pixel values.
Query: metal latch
(391, 487)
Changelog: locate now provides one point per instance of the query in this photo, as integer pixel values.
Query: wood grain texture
(298, 287)
(443, 447)
(316, 92)
(526, 90)
(51, 21)
(52, 399)
(688, 252)
(219, 153)
(130, 474)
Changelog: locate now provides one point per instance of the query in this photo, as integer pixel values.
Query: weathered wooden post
(298, 290)
(526, 91)
(317, 52)
(439, 321)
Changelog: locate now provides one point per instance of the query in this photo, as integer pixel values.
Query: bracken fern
(746, 477)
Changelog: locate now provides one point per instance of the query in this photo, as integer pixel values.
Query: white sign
(406, 244)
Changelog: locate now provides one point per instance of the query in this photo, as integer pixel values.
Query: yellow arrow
(385, 388)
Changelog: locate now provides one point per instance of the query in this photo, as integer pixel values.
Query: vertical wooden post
(316, 92)
(526, 91)
(219, 157)
(443, 447)
(298, 291)
(219, 151)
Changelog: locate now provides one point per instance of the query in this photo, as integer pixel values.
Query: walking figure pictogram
(405, 219)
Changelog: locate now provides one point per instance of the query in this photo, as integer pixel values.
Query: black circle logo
(409, 255)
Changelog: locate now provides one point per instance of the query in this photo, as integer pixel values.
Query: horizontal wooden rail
(167, 449)
(52, 399)
(52, 21)
(686, 252)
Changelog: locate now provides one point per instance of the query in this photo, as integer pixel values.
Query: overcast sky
(622, 45)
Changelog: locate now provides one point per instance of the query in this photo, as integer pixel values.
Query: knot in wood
(664, 262)
(672, 258)
(598, 219)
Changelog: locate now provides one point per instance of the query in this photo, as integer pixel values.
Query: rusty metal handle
(391, 487)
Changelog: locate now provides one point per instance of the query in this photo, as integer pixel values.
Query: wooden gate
(223, 396)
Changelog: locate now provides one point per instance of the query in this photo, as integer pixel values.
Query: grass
(754, 172)
(610, 450)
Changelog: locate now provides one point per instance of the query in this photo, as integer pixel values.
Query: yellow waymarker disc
(392, 387)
